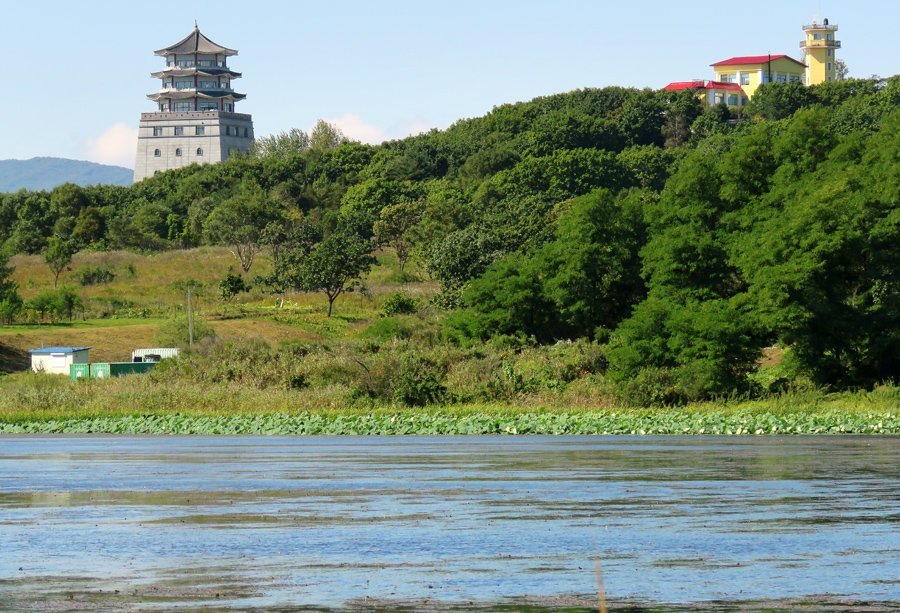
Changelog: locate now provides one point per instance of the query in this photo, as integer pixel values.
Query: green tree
(394, 225)
(10, 301)
(58, 256)
(325, 136)
(231, 285)
(239, 222)
(335, 265)
(779, 100)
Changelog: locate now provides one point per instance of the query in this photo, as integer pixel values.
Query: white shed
(56, 360)
(154, 355)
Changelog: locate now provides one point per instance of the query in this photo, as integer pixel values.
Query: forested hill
(683, 239)
(48, 172)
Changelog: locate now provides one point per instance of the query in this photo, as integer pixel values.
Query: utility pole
(190, 317)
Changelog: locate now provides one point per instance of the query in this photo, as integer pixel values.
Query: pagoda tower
(820, 47)
(195, 120)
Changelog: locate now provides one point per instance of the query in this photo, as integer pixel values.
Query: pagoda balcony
(825, 44)
(192, 87)
(197, 64)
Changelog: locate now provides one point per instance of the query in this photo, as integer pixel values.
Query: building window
(795, 78)
(732, 100)
(829, 52)
(209, 106)
(199, 152)
(745, 78)
(817, 36)
(157, 153)
(179, 130)
(164, 107)
(745, 100)
(780, 78)
(178, 153)
(199, 130)
(246, 133)
(157, 132)
(829, 66)
(184, 106)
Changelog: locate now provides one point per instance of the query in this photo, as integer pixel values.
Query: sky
(78, 72)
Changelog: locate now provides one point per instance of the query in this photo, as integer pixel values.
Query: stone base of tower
(172, 140)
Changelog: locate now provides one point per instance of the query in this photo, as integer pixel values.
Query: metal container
(119, 369)
(100, 370)
(79, 371)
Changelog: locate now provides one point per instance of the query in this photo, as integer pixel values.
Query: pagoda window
(209, 85)
(199, 130)
(208, 105)
(157, 131)
(184, 84)
(184, 105)
(179, 130)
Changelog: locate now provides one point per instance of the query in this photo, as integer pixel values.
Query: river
(355, 522)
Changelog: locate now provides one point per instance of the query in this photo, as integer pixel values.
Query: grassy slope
(154, 285)
(135, 404)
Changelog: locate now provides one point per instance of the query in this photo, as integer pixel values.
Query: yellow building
(751, 71)
(820, 48)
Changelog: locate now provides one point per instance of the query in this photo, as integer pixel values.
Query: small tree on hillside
(58, 256)
(393, 227)
(10, 301)
(239, 222)
(335, 265)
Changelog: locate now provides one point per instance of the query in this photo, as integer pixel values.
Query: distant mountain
(47, 173)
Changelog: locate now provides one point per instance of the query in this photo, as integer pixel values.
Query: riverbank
(136, 405)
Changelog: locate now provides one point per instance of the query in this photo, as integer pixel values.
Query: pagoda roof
(200, 93)
(743, 60)
(189, 72)
(195, 42)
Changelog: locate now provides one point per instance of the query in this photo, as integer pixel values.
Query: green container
(79, 371)
(100, 370)
(118, 369)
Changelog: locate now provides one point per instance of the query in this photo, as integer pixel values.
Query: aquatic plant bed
(439, 422)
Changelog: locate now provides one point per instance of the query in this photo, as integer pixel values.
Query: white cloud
(355, 128)
(117, 145)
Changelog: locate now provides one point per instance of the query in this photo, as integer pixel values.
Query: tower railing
(833, 44)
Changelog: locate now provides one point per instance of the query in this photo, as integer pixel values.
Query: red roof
(755, 59)
(680, 85)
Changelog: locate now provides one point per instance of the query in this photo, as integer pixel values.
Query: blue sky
(78, 72)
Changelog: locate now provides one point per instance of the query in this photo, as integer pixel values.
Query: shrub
(174, 332)
(95, 275)
(399, 303)
(650, 387)
(418, 383)
(232, 285)
(387, 328)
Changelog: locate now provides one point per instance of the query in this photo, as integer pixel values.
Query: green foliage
(418, 383)
(11, 303)
(95, 275)
(335, 265)
(175, 331)
(232, 285)
(58, 256)
(779, 100)
(57, 303)
(399, 303)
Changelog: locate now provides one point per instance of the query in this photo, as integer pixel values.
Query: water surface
(119, 522)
